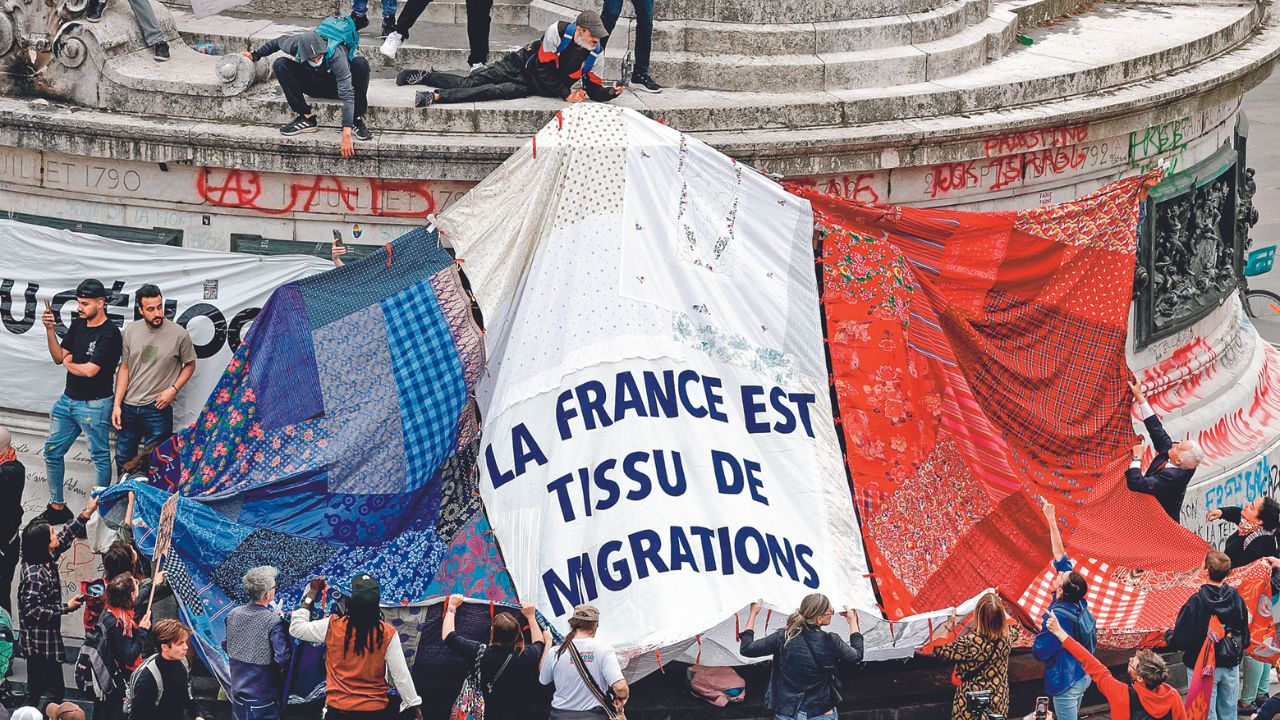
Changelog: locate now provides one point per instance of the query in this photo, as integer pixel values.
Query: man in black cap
(549, 67)
(90, 351)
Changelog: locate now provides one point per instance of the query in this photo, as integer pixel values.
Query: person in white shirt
(574, 699)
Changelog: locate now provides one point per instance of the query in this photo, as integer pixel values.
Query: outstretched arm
(1160, 439)
(1055, 535)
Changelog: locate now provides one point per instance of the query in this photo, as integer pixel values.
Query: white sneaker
(391, 45)
(476, 66)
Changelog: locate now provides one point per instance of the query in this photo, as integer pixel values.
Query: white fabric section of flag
(658, 431)
(215, 296)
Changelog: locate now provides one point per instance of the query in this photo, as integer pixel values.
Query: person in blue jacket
(1065, 679)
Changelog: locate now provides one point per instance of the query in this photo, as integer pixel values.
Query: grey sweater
(306, 45)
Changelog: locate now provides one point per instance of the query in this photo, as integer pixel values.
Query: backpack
(92, 671)
(717, 685)
(147, 666)
(339, 30)
(1137, 712)
(1228, 650)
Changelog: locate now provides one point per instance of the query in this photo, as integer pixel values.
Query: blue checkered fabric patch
(429, 378)
(338, 293)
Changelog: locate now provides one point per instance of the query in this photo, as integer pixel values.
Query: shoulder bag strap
(991, 652)
(601, 696)
(505, 663)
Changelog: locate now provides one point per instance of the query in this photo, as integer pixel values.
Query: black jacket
(1167, 482)
(1244, 550)
(1192, 627)
(550, 75)
(12, 481)
(804, 670)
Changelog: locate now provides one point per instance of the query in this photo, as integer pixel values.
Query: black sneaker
(388, 25)
(361, 21)
(644, 83)
(411, 77)
(162, 51)
(361, 130)
(300, 124)
(424, 98)
(56, 516)
(94, 13)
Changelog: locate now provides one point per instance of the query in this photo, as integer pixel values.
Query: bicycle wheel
(1262, 304)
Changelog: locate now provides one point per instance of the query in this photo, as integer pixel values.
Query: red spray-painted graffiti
(1178, 379)
(999, 173)
(858, 188)
(1036, 139)
(246, 189)
(1252, 427)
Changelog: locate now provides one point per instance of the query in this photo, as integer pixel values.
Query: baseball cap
(365, 587)
(590, 20)
(589, 613)
(91, 289)
(26, 713)
(64, 711)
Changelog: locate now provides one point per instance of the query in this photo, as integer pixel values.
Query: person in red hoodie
(1156, 699)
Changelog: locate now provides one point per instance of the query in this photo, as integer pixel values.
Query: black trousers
(299, 80)
(8, 562)
(44, 680)
(478, 20)
(387, 713)
(502, 80)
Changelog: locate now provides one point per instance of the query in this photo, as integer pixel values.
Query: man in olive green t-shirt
(158, 359)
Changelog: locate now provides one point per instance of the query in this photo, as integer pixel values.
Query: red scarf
(125, 619)
(8, 455)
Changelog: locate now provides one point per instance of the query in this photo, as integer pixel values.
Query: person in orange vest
(362, 652)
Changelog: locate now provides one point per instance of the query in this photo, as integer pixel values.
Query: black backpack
(1137, 712)
(93, 670)
(1229, 650)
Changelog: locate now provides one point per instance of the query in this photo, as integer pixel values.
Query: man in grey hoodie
(324, 68)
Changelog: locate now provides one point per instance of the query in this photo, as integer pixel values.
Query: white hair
(6, 439)
(259, 581)
(1191, 453)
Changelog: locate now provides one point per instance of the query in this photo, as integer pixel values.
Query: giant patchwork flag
(979, 366)
(658, 436)
(341, 440)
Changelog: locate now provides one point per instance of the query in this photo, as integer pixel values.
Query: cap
(91, 289)
(365, 588)
(588, 613)
(64, 711)
(26, 713)
(590, 20)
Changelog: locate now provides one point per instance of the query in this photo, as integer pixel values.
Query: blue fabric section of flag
(429, 376)
(284, 398)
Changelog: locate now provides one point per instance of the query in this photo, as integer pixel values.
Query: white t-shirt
(571, 694)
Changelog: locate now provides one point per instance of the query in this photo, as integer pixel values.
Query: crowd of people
(135, 657)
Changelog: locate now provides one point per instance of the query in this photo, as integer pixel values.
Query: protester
(361, 651)
(1255, 536)
(1214, 599)
(1065, 679)
(360, 14)
(585, 670)
(120, 644)
(90, 352)
(803, 681)
(549, 67)
(508, 666)
(644, 40)
(1148, 688)
(65, 711)
(13, 479)
(157, 360)
(40, 606)
(1171, 470)
(119, 559)
(982, 657)
(152, 35)
(258, 649)
(479, 18)
(322, 63)
(162, 686)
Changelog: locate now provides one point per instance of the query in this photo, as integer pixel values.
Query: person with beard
(549, 67)
(157, 360)
(89, 351)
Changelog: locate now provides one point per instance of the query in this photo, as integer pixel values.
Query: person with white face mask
(322, 63)
(550, 67)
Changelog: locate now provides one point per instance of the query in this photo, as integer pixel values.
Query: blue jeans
(255, 711)
(361, 7)
(802, 715)
(68, 419)
(1254, 677)
(140, 425)
(1226, 693)
(1067, 705)
(644, 29)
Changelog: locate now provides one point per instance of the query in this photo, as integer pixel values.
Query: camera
(978, 702)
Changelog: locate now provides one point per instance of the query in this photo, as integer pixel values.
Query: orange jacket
(1162, 701)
